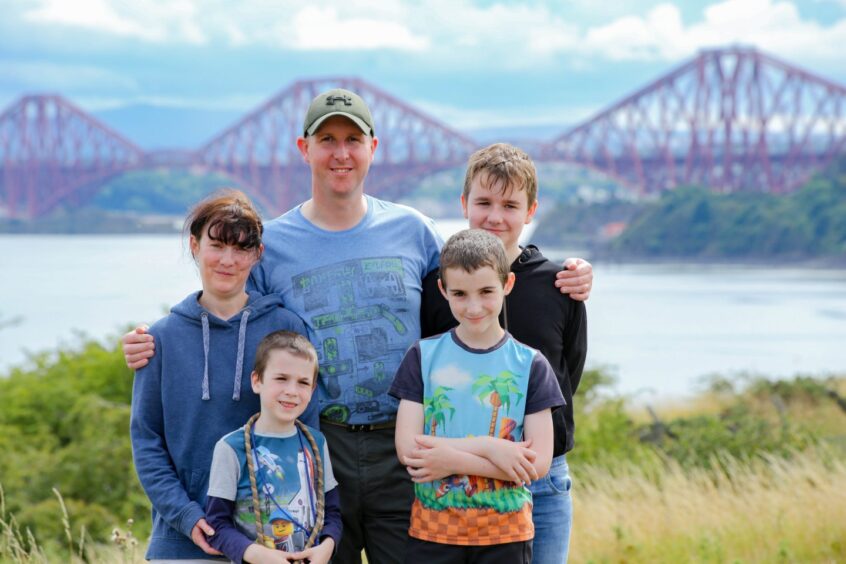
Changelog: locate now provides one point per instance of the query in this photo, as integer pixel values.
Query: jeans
(552, 514)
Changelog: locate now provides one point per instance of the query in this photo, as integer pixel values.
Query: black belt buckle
(356, 427)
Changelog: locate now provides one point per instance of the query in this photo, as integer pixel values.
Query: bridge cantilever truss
(731, 119)
(51, 151)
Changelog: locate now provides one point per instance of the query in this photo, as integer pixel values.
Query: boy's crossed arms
(430, 458)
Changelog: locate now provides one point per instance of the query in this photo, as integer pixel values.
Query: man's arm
(574, 345)
(575, 278)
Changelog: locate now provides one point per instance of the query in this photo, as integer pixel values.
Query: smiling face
(223, 268)
(339, 155)
(475, 300)
(500, 210)
(284, 389)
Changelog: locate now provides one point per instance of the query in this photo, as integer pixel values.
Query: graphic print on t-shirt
(472, 394)
(284, 474)
(358, 312)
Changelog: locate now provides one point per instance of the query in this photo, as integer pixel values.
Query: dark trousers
(376, 495)
(425, 552)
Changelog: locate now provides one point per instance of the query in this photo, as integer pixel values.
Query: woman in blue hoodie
(197, 387)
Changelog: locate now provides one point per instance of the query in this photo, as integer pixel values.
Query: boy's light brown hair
(472, 249)
(287, 341)
(503, 167)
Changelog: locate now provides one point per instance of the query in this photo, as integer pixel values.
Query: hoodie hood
(191, 310)
(530, 258)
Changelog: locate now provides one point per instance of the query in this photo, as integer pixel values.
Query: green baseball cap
(338, 102)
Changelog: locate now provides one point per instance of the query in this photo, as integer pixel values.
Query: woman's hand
(198, 535)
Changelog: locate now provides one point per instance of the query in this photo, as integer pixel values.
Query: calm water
(662, 327)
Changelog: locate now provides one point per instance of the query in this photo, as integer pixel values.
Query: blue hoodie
(195, 390)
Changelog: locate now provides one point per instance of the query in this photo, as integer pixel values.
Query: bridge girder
(730, 119)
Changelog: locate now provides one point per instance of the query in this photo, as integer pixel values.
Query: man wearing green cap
(352, 267)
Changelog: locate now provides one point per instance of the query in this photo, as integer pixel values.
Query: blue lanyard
(309, 471)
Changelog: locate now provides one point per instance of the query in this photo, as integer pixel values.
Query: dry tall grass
(769, 510)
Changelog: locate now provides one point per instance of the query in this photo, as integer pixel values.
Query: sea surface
(660, 327)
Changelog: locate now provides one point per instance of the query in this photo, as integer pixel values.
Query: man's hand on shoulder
(575, 278)
(138, 347)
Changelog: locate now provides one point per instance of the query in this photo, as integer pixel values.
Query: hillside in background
(692, 222)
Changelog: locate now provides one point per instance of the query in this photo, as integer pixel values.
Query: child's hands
(258, 554)
(515, 459)
(319, 554)
(430, 460)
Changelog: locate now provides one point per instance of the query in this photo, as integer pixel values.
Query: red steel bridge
(731, 119)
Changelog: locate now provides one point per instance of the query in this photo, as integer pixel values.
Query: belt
(357, 427)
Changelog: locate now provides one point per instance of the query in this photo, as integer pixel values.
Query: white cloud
(452, 376)
(96, 15)
(319, 29)
(284, 23)
(767, 24)
(460, 33)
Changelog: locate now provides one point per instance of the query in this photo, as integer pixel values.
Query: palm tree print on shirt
(436, 406)
(498, 391)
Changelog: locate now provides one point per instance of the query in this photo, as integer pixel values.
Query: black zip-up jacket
(537, 314)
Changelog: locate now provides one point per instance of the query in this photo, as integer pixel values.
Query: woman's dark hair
(230, 218)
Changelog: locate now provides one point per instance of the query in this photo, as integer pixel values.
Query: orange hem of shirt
(471, 527)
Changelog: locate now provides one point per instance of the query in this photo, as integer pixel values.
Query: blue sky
(469, 63)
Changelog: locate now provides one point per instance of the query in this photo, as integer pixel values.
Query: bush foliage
(64, 425)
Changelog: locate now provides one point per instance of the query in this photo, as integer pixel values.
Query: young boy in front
(501, 196)
(485, 400)
(265, 501)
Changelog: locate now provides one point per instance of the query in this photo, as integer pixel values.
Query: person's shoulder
(535, 277)
(532, 260)
(519, 347)
(233, 439)
(287, 319)
(400, 212)
(315, 432)
(284, 221)
(272, 306)
(179, 315)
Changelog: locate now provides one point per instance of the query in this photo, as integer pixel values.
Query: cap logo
(347, 101)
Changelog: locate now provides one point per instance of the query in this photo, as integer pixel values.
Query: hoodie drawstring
(239, 362)
(204, 317)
